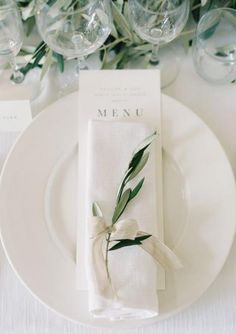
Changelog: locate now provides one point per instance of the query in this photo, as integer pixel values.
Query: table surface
(215, 311)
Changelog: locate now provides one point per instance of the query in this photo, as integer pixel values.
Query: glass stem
(81, 65)
(155, 54)
(17, 76)
(13, 65)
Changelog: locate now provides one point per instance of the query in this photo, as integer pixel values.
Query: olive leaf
(122, 185)
(96, 210)
(121, 205)
(112, 63)
(208, 32)
(60, 61)
(47, 63)
(139, 166)
(146, 142)
(137, 158)
(136, 164)
(129, 242)
(114, 32)
(196, 12)
(142, 48)
(120, 21)
(29, 26)
(39, 53)
(28, 11)
(136, 190)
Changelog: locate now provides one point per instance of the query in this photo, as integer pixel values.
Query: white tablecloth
(215, 311)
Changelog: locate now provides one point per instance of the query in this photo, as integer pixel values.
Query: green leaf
(47, 63)
(120, 4)
(114, 32)
(125, 243)
(208, 32)
(138, 162)
(128, 242)
(97, 212)
(146, 142)
(121, 205)
(28, 11)
(104, 58)
(139, 166)
(143, 48)
(136, 159)
(60, 61)
(121, 23)
(51, 2)
(112, 63)
(42, 45)
(39, 53)
(36, 58)
(122, 185)
(143, 237)
(136, 190)
(29, 25)
(66, 4)
(197, 11)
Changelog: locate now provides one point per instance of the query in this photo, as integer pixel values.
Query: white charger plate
(199, 210)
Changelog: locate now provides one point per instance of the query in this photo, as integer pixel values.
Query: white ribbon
(123, 229)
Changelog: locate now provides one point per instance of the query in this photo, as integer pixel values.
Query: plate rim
(153, 320)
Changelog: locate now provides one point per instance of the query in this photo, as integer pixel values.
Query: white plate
(199, 208)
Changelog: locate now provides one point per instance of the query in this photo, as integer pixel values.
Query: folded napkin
(133, 272)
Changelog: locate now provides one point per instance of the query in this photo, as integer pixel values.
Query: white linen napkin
(133, 271)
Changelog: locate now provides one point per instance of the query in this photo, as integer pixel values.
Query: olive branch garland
(123, 43)
(125, 195)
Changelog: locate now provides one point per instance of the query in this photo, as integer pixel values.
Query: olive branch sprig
(125, 195)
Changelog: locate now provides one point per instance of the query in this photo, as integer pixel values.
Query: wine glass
(159, 22)
(76, 28)
(11, 36)
(214, 46)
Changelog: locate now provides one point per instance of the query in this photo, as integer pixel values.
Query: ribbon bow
(124, 229)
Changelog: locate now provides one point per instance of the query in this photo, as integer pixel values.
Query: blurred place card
(14, 115)
(125, 95)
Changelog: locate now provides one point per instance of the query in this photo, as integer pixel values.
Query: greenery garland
(123, 41)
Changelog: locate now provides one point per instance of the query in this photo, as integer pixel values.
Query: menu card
(124, 95)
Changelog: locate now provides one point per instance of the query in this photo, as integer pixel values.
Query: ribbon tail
(97, 267)
(161, 253)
